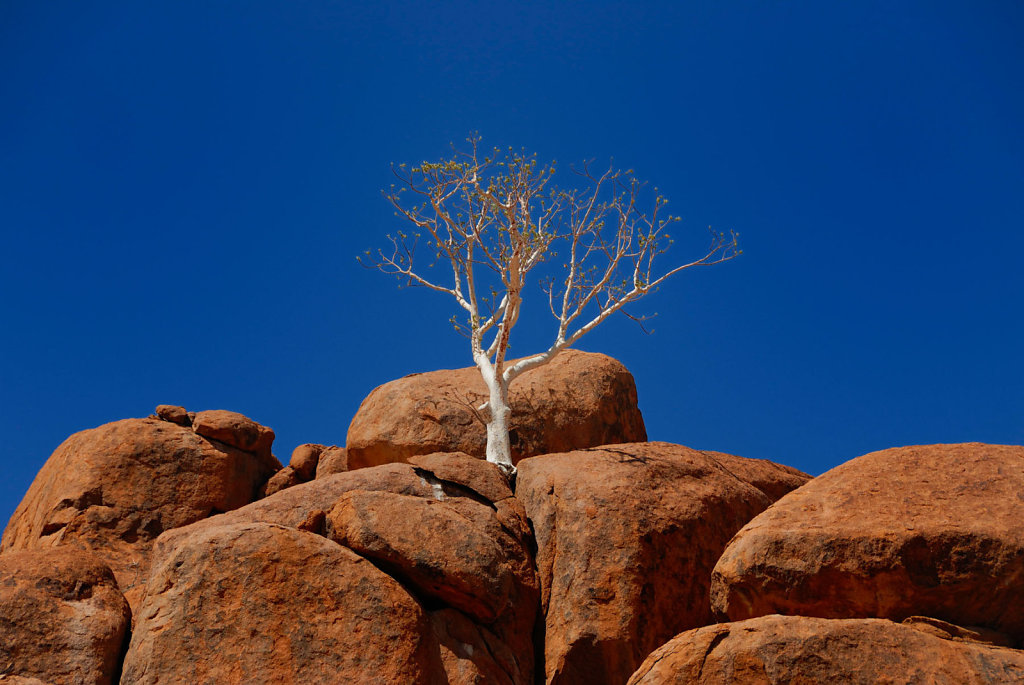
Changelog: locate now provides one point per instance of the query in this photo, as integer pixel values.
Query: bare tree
(487, 220)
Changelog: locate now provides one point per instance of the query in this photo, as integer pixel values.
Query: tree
(489, 220)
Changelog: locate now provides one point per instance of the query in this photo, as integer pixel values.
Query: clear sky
(184, 187)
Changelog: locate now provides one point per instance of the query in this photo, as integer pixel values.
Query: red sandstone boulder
(578, 400)
(62, 618)
(305, 459)
(627, 536)
(795, 649)
(935, 530)
(236, 430)
(332, 460)
(115, 488)
(447, 528)
(283, 479)
(774, 480)
(261, 603)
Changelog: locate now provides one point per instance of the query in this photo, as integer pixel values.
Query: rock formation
(577, 400)
(114, 489)
(796, 649)
(627, 536)
(934, 530)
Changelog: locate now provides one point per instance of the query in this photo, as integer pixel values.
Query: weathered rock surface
(304, 460)
(935, 530)
(282, 480)
(578, 400)
(447, 528)
(236, 430)
(115, 488)
(261, 603)
(62, 618)
(774, 480)
(796, 649)
(627, 536)
(332, 460)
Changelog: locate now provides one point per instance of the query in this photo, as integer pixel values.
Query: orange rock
(283, 479)
(774, 480)
(434, 527)
(935, 530)
(115, 488)
(305, 459)
(261, 603)
(174, 414)
(627, 536)
(332, 460)
(62, 618)
(232, 428)
(578, 400)
(796, 649)
(473, 655)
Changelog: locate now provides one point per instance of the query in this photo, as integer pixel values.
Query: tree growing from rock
(482, 222)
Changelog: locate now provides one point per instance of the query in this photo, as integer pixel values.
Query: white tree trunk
(499, 450)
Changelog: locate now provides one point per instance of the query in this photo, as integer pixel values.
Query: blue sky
(184, 187)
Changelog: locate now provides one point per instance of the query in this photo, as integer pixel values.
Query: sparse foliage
(485, 221)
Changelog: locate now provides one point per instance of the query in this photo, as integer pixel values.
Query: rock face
(934, 530)
(577, 400)
(62, 617)
(446, 530)
(627, 536)
(305, 459)
(332, 460)
(115, 488)
(795, 649)
(260, 603)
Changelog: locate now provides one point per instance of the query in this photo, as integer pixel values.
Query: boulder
(935, 530)
(774, 480)
(332, 460)
(62, 618)
(577, 400)
(448, 529)
(305, 459)
(283, 479)
(627, 536)
(174, 414)
(232, 428)
(797, 649)
(261, 603)
(115, 488)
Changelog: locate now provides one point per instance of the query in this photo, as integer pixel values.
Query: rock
(285, 478)
(174, 414)
(304, 460)
(460, 469)
(232, 428)
(115, 488)
(774, 480)
(453, 549)
(62, 618)
(796, 649)
(472, 654)
(627, 536)
(577, 400)
(261, 603)
(439, 537)
(935, 530)
(332, 460)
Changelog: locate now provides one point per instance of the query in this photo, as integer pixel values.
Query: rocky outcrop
(261, 603)
(933, 530)
(627, 536)
(332, 460)
(578, 400)
(62, 618)
(115, 488)
(446, 529)
(796, 649)
(305, 459)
